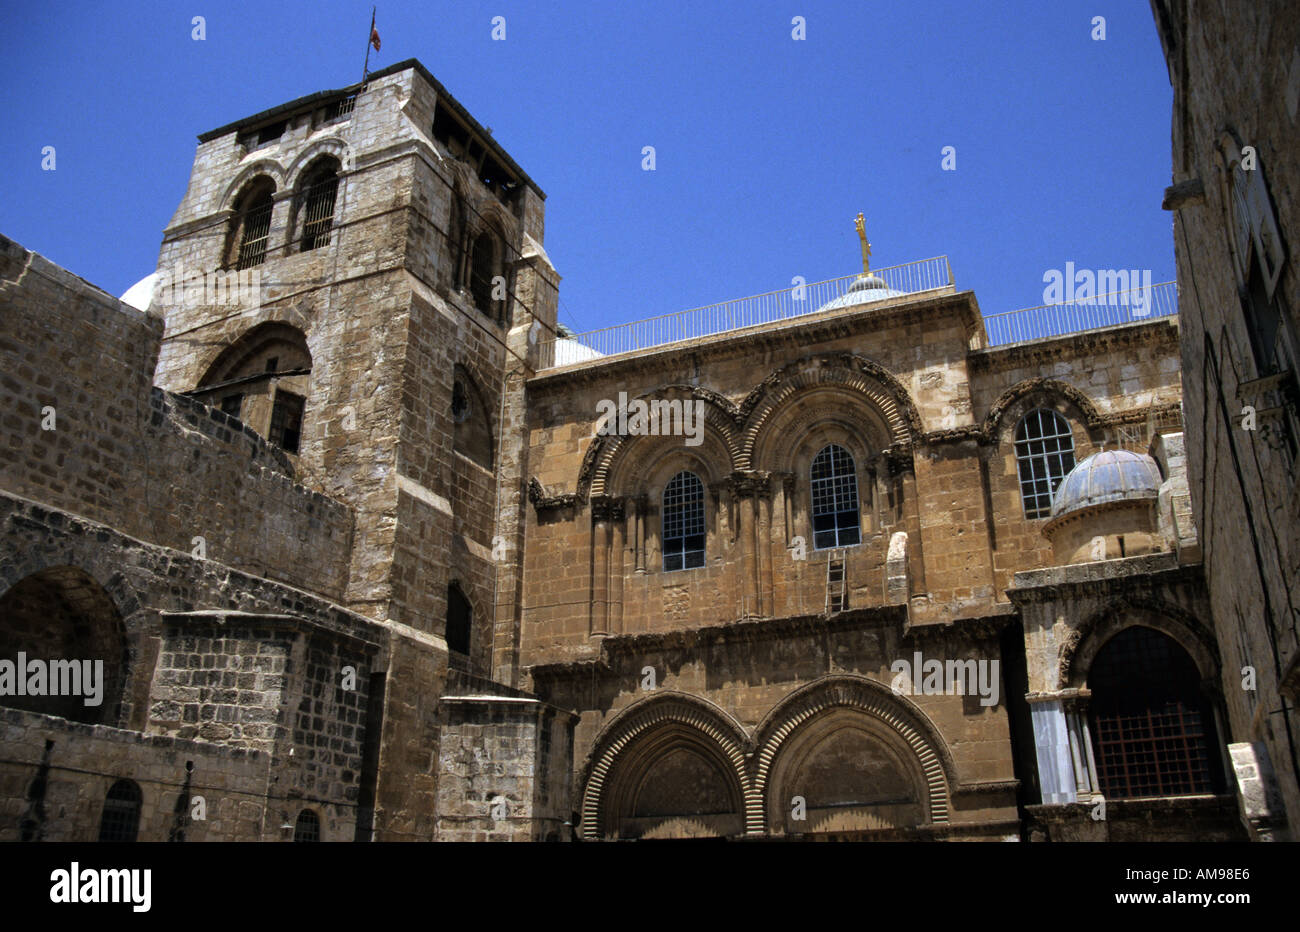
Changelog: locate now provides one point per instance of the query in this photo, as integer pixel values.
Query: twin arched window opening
(1044, 456)
(836, 516)
(248, 239)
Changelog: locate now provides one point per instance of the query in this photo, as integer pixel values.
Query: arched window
(836, 521)
(471, 424)
(307, 828)
(121, 818)
(250, 227)
(483, 268)
(1152, 729)
(262, 379)
(460, 616)
(316, 196)
(1045, 454)
(683, 517)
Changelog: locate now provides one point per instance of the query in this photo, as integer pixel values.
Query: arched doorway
(61, 615)
(672, 782)
(843, 772)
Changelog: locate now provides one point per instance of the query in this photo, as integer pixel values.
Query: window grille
(318, 212)
(683, 522)
(255, 234)
(1045, 454)
(836, 521)
(307, 828)
(286, 421)
(1150, 722)
(121, 818)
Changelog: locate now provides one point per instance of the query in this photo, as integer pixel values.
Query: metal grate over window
(1149, 721)
(121, 818)
(683, 518)
(286, 421)
(307, 828)
(318, 215)
(1045, 454)
(835, 499)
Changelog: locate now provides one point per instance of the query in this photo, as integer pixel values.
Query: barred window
(683, 517)
(1045, 454)
(1152, 730)
(286, 421)
(316, 198)
(121, 818)
(836, 521)
(307, 827)
(250, 227)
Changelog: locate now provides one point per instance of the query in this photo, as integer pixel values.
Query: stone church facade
(332, 498)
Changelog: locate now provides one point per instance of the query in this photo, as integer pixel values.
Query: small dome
(1108, 476)
(140, 295)
(864, 290)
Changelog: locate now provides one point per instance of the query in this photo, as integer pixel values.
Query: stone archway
(669, 767)
(847, 743)
(62, 614)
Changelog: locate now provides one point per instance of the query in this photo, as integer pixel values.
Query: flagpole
(365, 69)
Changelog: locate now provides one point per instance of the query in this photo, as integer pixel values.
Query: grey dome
(1108, 476)
(864, 290)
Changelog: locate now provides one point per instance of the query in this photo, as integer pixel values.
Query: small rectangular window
(233, 404)
(286, 421)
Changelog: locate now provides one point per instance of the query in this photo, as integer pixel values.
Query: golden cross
(861, 224)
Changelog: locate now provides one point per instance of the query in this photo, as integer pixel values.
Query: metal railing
(1106, 310)
(910, 278)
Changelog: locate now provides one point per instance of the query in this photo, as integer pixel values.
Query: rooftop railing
(1105, 310)
(1035, 323)
(911, 278)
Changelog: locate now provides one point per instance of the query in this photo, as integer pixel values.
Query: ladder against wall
(836, 583)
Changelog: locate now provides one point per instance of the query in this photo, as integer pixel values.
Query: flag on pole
(373, 41)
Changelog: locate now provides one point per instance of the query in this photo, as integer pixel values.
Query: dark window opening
(683, 522)
(307, 828)
(121, 818)
(233, 404)
(483, 268)
(272, 362)
(1152, 728)
(1044, 455)
(836, 520)
(286, 421)
(339, 109)
(459, 403)
(459, 619)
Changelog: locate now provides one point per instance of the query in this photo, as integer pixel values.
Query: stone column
(617, 560)
(599, 624)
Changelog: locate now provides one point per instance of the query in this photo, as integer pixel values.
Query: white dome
(140, 295)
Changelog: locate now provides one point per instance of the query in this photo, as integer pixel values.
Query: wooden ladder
(836, 584)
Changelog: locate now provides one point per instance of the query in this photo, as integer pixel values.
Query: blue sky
(766, 147)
